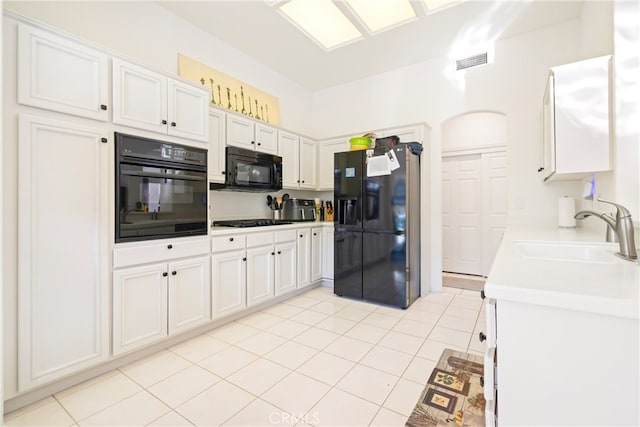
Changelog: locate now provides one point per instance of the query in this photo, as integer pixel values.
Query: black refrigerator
(377, 227)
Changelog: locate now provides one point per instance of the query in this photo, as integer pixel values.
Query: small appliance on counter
(299, 210)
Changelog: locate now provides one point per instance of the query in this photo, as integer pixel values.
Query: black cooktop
(251, 222)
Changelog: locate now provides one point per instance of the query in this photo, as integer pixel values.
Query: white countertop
(235, 230)
(611, 288)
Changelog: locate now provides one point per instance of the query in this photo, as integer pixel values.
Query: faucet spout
(622, 225)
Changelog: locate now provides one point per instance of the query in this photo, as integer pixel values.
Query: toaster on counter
(299, 210)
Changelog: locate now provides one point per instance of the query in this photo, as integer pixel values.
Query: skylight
(322, 21)
(382, 14)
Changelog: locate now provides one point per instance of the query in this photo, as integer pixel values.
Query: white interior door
(494, 205)
(474, 211)
(464, 214)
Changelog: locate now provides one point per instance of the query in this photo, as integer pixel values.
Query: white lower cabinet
(260, 273)
(327, 252)
(285, 261)
(229, 282)
(152, 300)
(139, 306)
(304, 256)
(316, 254)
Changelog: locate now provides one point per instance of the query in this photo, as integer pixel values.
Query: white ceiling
(260, 31)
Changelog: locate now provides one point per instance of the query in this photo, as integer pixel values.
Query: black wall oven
(161, 189)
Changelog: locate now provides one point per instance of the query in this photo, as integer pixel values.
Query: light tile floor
(313, 360)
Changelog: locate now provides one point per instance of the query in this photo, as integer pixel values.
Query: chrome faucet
(622, 225)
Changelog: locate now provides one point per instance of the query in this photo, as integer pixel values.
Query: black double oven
(161, 189)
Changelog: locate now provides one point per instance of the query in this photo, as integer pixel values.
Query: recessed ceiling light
(381, 14)
(322, 21)
(438, 4)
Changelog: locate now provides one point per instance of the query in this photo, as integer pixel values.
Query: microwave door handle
(163, 175)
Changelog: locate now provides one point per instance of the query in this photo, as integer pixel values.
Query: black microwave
(249, 170)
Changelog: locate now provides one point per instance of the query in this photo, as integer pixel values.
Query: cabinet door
(288, 149)
(188, 109)
(285, 267)
(229, 280)
(307, 163)
(266, 138)
(327, 253)
(326, 150)
(189, 293)
(139, 306)
(304, 256)
(260, 274)
(63, 283)
(216, 153)
(406, 134)
(316, 254)
(240, 132)
(62, 75)
(139, 97)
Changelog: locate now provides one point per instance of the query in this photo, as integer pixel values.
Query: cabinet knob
(540, 169)
(298, 181)
(482, 381)
(103, 107)
(273, 253)
(173, 124)
(279, 252)
(253, 142)
(301, 235)
(244, 259)
(103, 140)
(222, 172)
(231, 239)
(169, 246)
(164, 122)
(482, 336)
(173, 273)
(303, 181)
(259, 143)
(482, 295)
(165, 274)
(315, 234)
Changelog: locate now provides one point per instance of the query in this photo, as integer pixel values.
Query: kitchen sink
(567, 251)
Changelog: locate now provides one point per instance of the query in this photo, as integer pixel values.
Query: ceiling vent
(472, 61)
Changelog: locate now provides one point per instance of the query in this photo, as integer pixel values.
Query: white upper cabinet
(298, 160)
(60, 74)
(151, 101)
(405, 134)
(326, 150)
(576, 120)
(246, 133)
(216, 152)
(307, 163)
(289, 150)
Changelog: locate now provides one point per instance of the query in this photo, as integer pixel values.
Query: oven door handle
(164, 176)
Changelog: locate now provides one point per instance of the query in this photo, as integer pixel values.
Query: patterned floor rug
(453, 395)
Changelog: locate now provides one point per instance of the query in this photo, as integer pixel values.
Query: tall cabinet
(63, 276)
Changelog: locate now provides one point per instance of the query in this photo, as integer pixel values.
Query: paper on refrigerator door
(378, 166)
(393, 160)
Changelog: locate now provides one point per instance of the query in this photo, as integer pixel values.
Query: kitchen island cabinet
(159, 289)
(563, 335)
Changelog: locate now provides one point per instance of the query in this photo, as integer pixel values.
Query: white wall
(513, 85)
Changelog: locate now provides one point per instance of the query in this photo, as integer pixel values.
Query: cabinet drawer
(285, 236)
(158, 251)
(228, 242)
(259, 239)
